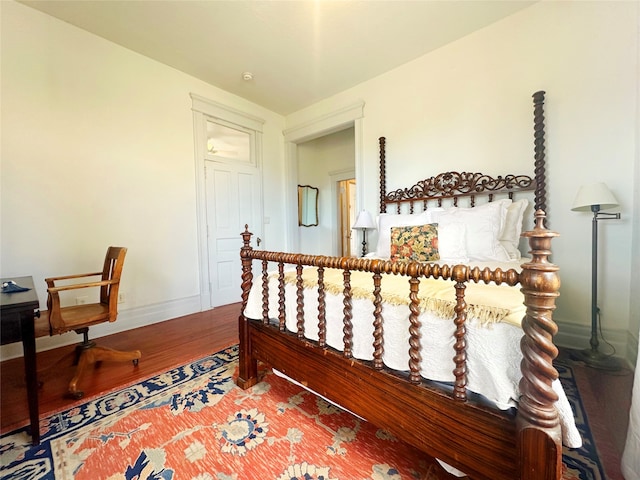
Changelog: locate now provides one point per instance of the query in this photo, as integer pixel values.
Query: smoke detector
(247, 76)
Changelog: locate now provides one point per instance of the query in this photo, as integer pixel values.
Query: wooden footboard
(451, 425)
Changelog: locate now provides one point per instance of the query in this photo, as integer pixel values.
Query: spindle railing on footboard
(482, 441)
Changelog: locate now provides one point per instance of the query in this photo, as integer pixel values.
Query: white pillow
(388, 220)
(484, 225)
(432, 214)
(452, 243)
(510, 236)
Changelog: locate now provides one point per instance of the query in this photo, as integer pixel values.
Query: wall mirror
(307, 206)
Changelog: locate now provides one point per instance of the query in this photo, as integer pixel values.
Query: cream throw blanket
(486, 303)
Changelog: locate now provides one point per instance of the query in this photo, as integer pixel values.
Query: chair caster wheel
(76, 395)
(135, 362)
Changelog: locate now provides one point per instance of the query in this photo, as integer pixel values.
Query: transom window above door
(226, 142)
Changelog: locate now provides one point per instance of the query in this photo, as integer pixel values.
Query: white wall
(317, 159)
(90, 129)
(97, 150)
(467, 106)
(634, 315)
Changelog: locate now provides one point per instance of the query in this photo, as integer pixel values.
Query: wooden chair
(80, 317)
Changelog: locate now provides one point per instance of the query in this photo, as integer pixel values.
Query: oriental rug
(194, 423)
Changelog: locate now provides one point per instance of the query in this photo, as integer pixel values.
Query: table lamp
(364, 222)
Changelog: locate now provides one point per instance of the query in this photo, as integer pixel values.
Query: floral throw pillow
(415, 243)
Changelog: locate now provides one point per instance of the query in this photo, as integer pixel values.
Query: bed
(410, 342)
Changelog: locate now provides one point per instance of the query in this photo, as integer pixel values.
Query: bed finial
(246, 235)
(539, 155)
(383, 181)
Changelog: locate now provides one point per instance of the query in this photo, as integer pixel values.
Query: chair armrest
(81, 285)
(69, 277)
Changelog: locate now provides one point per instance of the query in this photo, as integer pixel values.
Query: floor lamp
(594, 198)
(364, 222)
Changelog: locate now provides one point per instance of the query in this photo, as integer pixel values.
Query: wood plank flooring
(163, 346)
(606, 397)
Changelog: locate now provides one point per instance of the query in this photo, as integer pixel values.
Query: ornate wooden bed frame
(481, 441)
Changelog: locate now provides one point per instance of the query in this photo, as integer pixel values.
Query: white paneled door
(233, 200)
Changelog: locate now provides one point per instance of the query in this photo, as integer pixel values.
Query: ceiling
(298, 52)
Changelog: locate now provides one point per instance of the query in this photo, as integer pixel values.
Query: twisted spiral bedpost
(247, 275)
(299, 302)
(383, 178)
(347, 329)
(538, 421)
(460, 274)
(281, 298)
(247, 367)
(415, 357)
(265, 292)
(539, 152)
(322, 310)
(378, 332)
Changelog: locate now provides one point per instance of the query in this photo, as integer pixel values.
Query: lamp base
(594, 359)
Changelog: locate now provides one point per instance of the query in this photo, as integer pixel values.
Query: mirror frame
(308, 206)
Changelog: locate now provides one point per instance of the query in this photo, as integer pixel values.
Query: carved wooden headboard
(454, 185)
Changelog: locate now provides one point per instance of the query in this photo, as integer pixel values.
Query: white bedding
(493, 353)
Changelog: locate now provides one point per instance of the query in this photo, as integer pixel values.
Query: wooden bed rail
(537, 422)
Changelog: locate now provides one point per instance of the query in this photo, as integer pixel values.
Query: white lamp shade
(364, 220)
(594, 194)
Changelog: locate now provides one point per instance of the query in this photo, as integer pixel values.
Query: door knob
(258, 240)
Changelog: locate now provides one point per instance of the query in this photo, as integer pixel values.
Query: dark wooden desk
(17, 313)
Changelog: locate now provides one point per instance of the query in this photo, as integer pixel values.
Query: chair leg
(85, 345)
(85, 359)
(98, 354)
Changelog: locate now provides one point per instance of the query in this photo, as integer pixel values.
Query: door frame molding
(202, 108)
(341, 119)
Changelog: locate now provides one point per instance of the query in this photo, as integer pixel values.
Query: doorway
(322, 162)
(346, 215)
(348, 117)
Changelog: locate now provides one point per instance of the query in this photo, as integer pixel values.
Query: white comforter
(493, 353)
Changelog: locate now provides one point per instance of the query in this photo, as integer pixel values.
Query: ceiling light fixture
(247, 76)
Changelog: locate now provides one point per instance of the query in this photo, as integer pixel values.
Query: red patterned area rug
(194, 423)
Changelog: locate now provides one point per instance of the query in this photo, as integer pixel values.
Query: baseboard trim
(128, 319)
(571, 335)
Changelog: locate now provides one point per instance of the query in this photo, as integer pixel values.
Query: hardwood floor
(606, 397)
(163, 345)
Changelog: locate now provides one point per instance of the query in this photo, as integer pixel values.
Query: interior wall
(468, 106)
(97, 150)
(316, 160)
(634, 315)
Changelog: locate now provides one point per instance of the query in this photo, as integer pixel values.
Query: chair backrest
(112, 270)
